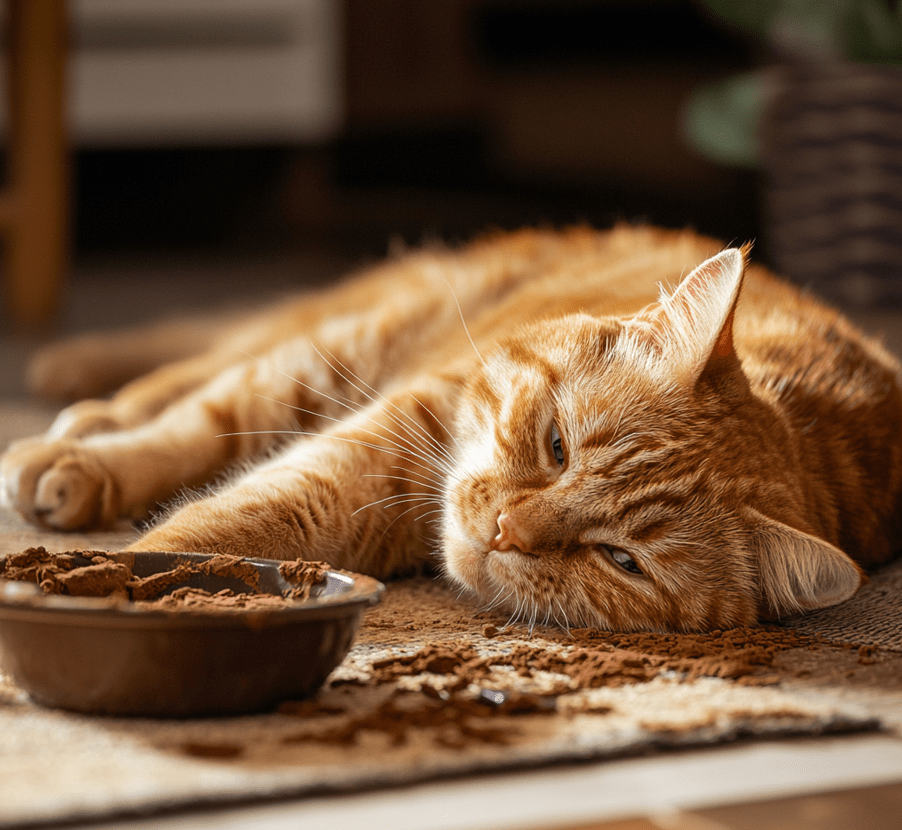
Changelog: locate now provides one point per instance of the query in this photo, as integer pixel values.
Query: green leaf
(754, 16)
(721, 119)
(872, 32)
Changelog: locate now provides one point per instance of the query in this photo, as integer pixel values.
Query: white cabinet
(182, 72)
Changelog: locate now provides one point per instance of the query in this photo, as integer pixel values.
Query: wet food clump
(88, 573)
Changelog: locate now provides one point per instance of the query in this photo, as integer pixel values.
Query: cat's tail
(95, 364)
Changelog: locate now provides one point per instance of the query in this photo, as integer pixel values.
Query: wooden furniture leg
(34, 208)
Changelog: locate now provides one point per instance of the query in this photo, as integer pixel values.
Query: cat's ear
(693, 326)
(798, 571)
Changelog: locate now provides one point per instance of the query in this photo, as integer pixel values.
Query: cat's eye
(557, 446)
(622, 558)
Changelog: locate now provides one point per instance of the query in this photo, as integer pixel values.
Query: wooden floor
(875, 808)
(781, 785)
(872, 807)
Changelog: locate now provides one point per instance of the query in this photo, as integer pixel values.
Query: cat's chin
(507, 583)
(479, 572)
(465, 566)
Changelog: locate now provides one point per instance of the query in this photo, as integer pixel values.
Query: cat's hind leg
(158, 364)
(142, 399)
(150, 366)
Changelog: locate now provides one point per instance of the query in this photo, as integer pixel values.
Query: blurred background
(285, 122)
(222, 151)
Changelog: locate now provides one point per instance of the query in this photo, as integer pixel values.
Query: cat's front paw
(58, 484)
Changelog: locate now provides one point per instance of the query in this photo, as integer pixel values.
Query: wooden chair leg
(34, 210)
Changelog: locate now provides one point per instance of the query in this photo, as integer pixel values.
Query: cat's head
(620, 474)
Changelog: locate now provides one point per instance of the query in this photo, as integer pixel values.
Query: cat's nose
(511, 534)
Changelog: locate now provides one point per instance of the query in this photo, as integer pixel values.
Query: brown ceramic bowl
(101, 657)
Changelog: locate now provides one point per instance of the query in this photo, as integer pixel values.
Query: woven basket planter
(832, 141)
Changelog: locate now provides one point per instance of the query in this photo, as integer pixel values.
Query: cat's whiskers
(440, 481)
(431, 490)
(409, 510)
(528, 612)
(404, 457)
(546, 620)
(417, 432)
(440, 509)
(439, 424)
(520, 609)
(532, 619)
(344, 401)
(496, 600)
(433, 522)
(396, 499)
(414, 498)
(406, 446)
(347, 404)
(436, 486)
(354, 407)
(502, 599)
(562, 621)
(425, 441)
(461, 589)
(515, 617)
(460, 312)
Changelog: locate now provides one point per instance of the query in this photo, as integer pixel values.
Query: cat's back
(618, 272)
(612, 272)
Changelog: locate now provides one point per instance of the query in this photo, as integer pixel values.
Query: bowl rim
(25, 601)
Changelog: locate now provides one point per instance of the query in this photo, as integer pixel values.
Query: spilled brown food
(109, 575)
(596, 659)
(459, 695)
(478, 683)
(406, 713)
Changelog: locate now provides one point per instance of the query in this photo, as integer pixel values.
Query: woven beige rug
(873, 615)
(418, 698)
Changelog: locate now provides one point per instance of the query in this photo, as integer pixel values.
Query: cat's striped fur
(587, 450)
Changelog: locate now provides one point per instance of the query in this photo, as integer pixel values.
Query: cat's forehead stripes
(657, 517)
(605, 438)
(650, 515)
(606, 461)
(484, 393)
(673, 494)
(654, 529)
(517, 364)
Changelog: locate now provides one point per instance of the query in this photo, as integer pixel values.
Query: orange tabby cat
(583, 452)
